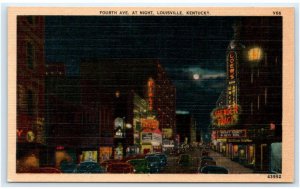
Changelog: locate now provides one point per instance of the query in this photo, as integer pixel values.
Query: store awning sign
(236, 133)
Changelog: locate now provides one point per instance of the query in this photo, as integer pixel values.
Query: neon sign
(231, 77)
(150, 124)
(225, 116)
(150, 93)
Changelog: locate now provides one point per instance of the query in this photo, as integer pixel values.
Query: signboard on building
(146, 137)
(243, 140)
(225, 116)
(237, 133)
(150, 124)
(167, 133)
(150, 86)
(157, 138)
(232, 77)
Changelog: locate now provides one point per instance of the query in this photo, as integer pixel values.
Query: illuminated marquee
(150, 93)
(225, 116)
(237, 133)
(231, 77)
(150, 124)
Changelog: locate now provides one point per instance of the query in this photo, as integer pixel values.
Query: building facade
(30, 88)
(248, 116)
(112, 83)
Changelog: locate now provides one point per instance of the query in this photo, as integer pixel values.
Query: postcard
(150, 94)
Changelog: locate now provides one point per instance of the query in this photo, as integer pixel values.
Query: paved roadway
(195, 154)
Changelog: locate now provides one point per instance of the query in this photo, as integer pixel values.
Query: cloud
(206, 73)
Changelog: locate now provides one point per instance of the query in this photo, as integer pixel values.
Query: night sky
(184, 46)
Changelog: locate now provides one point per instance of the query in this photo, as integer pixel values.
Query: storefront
(118, 152)
(105, 153)
(151, 141)
(89, 155)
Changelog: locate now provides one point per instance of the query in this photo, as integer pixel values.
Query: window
(30, 55)
(30, 102)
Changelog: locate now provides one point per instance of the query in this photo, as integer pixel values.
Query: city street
(195, 154)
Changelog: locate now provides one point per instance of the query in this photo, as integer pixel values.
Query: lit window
(255, 54)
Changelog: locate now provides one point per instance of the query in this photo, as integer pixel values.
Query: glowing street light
(128, 126)
(255, 54)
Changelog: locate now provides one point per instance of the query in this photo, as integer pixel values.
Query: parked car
(106, 163)
(119, 167)
(213, 169)
(67, 167)
(137, 156)
(162, 158)
(207, 162)
(153, 163)
(89, 167)
(45, 170)
(140, 165)
(184, 160)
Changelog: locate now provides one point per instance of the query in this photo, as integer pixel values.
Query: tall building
(185, 127)
(248, 116)
(30, 87)
(102, 79)
(71, 128)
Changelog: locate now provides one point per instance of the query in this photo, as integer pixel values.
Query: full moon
(196, 76)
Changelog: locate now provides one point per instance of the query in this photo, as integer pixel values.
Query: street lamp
(128, 126)
(255, 54)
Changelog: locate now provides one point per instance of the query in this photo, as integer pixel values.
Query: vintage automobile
(213, 169)
(120, 167)
(153, 164)
(184, 160)
(206, 157)
(67, 167)
(140, 165)
(89, 167)
(206, 162)
(106, 163)
(162, 158)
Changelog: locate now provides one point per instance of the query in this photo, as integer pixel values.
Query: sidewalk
(233, 167)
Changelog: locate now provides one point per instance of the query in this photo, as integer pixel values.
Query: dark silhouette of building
(30, 86)
(185, 127)
(103, 79)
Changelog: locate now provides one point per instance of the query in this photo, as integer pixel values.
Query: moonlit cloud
(206, 73)
(214, 76)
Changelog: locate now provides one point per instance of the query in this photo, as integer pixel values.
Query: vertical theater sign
(232, 62)
(226, 131)
(150, 93)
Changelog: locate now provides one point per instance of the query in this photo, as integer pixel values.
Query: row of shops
(261, 157)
